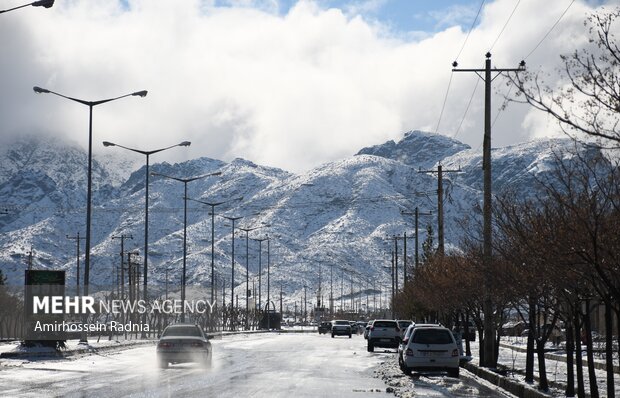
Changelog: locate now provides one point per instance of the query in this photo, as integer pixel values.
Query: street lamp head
(40, 90)
(107, 143)
(43, 3)
(140, 93)
(185, 143)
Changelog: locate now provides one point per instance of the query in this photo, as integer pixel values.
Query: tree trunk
(581, 391)
(570, 366)
(590, 352)
(529, 356)
(465, 318)
(543, 383)
(609, 360)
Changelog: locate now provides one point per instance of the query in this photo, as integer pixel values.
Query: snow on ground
(556, 370)
(434, 384)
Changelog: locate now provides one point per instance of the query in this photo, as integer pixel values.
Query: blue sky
(401, 15)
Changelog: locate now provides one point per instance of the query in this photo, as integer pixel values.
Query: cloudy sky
(285, 83)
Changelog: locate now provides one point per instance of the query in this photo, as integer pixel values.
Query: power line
(466, 109)
(445, 99)
(507, 95)
(506, 24)
(550, 30)
(469, 32)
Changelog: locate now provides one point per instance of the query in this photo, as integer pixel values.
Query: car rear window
(432, 336)
(182, 331)
(342, 323)
(385, 324)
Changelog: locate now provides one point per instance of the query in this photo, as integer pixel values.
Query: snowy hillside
(337, 215)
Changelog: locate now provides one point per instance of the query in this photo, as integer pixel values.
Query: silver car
(183, 343)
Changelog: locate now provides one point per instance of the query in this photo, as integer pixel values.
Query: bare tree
(586, 101)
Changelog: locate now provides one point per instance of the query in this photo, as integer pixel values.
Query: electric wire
(445, 99)
(467, 108)
(506, 24)
(550, 30)
(544, 37)
(470, 29)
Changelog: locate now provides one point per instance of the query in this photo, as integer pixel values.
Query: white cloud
(291, 90)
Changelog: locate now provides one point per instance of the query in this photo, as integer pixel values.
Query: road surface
(261, 365)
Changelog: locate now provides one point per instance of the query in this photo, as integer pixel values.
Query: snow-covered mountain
(417, 148)
(338, 215)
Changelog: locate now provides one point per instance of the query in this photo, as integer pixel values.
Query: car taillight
(164, 345)
(196, 344)
(409, 352)
(455, 353)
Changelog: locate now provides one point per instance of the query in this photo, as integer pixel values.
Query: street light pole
(232, 282)
(260, 270)
(185, 181)
(247, 272)
(212, 213)
(147, 154)
(91, 105)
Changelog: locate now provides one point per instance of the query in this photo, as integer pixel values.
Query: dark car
(325, 327)
(183, 343)
(341, 328)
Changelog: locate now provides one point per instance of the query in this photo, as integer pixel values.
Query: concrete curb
(512, 386)
(76, 351)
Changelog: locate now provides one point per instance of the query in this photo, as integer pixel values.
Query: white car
(431, 348)
(183, 343)
(383, 333)
(403, 344)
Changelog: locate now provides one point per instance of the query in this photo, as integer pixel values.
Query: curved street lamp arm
(107, 143)
(40, 90)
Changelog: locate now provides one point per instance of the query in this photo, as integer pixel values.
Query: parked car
(325, 327)
(403, 325)
(383, 333)
(431, 348)
(405, 340)
(367, 329)
(341, 328)
(183, 343)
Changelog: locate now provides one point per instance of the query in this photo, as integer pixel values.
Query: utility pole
(342, 292)
(417, 215)
(30, 258)
(440, 234)
(281, 313)
(305, 306)
(122, 238)
(331, 289)
(395, 238)
(77, 238)
(392, 271)
(489, 333)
